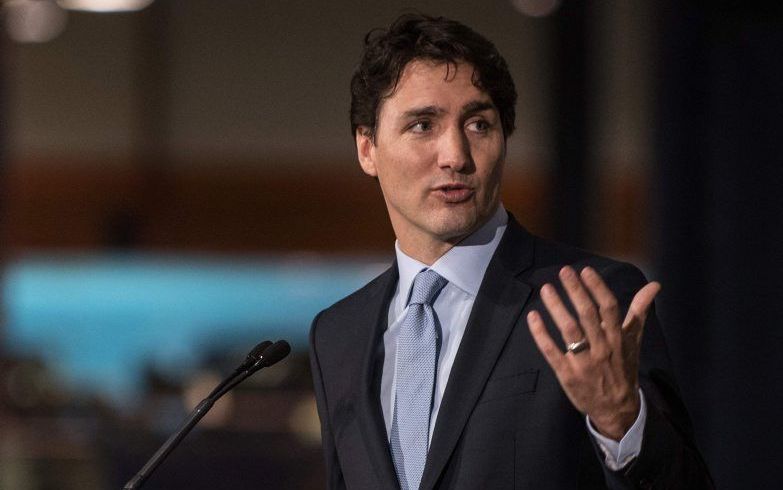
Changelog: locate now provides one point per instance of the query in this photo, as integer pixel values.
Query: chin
(456, 226)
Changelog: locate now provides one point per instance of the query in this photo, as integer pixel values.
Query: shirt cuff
(618, 454)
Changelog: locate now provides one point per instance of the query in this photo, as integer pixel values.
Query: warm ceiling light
(104, 5)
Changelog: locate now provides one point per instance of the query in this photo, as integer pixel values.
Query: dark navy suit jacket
(504, 421)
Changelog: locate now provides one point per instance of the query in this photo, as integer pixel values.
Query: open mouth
(454, 193)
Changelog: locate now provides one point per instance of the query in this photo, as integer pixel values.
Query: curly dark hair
(416, 36)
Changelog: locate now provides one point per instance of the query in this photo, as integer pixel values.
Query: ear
(365, 149)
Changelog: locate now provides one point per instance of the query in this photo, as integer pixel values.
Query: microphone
(271, 355)
(274, 354)
(263, 355)
(252, 357)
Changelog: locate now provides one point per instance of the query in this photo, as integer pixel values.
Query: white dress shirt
(464, 267)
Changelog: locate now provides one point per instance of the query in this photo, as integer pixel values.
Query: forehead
(427, 83)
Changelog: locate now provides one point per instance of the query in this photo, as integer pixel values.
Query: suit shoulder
(355, 303)
(550, 256)
(362, 296)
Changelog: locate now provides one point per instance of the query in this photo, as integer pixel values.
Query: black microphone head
(275, 353)
(257, 351)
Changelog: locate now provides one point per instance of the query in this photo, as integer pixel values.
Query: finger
(569, 328)
(546, 345)
(640, 307)
(608, 307)
(584, 306)
(607, 302)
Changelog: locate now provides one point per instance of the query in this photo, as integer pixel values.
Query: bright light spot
(33, 21)
(536, 8)
(104, 5)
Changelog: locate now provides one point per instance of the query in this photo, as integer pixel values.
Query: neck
(427, 248)
(426, 253)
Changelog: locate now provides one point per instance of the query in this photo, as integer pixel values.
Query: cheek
(491, 168)
(397, 179)
(404, 167)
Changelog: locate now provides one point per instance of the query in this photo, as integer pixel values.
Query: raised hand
(599, 376)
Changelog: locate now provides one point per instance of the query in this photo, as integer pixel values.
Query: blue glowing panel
(98, 322)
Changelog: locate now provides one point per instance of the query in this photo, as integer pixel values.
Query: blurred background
(178, 182)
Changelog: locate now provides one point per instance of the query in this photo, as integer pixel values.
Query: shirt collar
(464, 264)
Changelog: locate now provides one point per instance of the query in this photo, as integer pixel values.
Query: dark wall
(720, 227)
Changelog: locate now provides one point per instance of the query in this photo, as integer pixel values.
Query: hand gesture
(599, 371)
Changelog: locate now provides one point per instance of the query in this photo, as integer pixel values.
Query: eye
(422, 126)
(479, 126)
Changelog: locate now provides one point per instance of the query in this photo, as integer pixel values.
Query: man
(446, 371)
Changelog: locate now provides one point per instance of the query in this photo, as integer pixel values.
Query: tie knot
(426, 286)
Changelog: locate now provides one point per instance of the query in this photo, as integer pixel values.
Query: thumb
(640, 307)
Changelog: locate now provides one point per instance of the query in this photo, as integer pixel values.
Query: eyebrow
(477, 106)
(429, 110)
(432, 110)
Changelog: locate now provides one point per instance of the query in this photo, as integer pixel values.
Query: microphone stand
(263, 355)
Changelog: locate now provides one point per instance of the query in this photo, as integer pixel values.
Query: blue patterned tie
(417, 350)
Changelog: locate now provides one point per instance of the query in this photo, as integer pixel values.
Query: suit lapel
(368, 408)
(500, 301)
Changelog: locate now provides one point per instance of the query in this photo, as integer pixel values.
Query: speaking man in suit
(484, 357)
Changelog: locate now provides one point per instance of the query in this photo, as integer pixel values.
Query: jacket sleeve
(669, 458)
(334, 473)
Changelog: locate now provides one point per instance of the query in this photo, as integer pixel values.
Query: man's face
(438, 153)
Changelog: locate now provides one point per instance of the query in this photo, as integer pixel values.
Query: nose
(454, 150)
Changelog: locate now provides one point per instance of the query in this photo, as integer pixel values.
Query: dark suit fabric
(504, 421)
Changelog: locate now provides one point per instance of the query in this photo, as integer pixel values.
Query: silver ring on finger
(578, 346)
